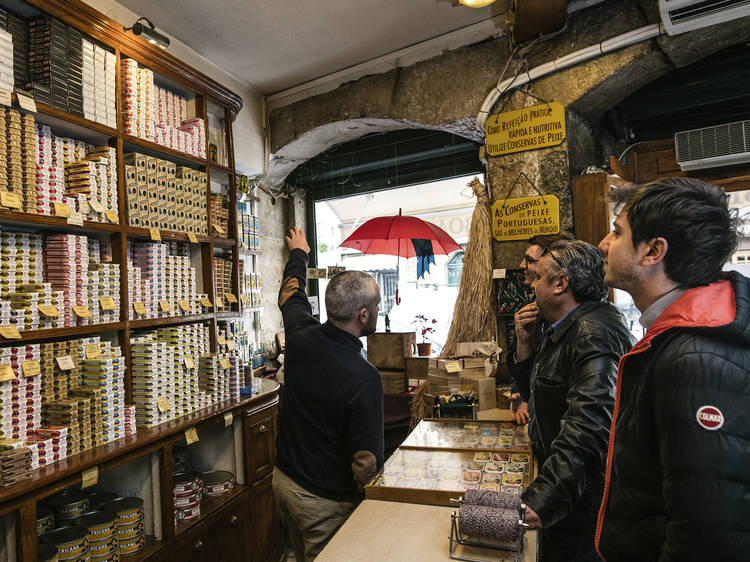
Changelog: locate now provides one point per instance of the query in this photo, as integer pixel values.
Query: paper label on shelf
(165, 306)
(89, 477)
(5, 98)
(206, 303)
(155, 234)
(221, 340)
(219, 300)
(231, 346)
(244, 299)
(75, 219)
(244, 247)
(452, 366)
(6, 373)
(62, 210)
(94, 204)
(107, 303)
(184, 305)
(139, 308)
(112, 216)
(230, 297)
(225, 363)
(92, 351)
(26, 103)
(65, 362)
(82, 311)
(219, 229)
(31, 368)
(189, 363)
(10, 200)
(228, 419)
(10, 333)
(163, 404)
(191, 436)
(49, 310)
(192, 237)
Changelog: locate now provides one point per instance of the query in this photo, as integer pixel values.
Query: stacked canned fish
(188, 491)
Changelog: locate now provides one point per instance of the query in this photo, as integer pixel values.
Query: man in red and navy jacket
(677, 483)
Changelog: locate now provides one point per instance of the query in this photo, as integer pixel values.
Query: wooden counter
(380, 531)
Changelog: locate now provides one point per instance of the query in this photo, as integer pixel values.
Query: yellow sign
(75, 219)
(228, 419)
(165, 306)
(112, 216)
(191, 436)
(206, 303)
(155, 234)
(31, 368)
(244, 299)
(221, 340)
(6, 373)
(10, 333)
(10, 200)
(89, 477)
(189, 363)
(82, 311)
(520, 218)
(65, 362)
(184, 305)
(452, 366)
(62, 210)
(192, 237)
(225, 364)
(25, 102)
(94, 204)
(163, 405)
(231, 346)
(230, 297)
(219, 300)
(107, 303)
(92, 351)
(139, 308)
(529, 128)
(49, 310)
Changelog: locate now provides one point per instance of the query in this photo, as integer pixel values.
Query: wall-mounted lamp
(476, 3)
(149, 33)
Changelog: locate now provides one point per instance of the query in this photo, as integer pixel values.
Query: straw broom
(473, 315)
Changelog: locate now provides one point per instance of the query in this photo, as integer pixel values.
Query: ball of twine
(491, 498)
(484, 522)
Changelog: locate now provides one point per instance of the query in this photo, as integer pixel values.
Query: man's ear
(561, 284)
(653, 252)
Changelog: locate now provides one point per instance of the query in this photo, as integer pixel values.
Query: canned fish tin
(100, 524)
(186, 482)
(98, 499)
(104, 549)
(45, 519)
(187, 514)
(68, 505)
(128, 510)
(71, 542)
(127, 532)
(217, 482)
(133, 545)
(189, 500)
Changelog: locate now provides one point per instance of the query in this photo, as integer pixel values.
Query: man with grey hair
(569, 383)
(330, 440)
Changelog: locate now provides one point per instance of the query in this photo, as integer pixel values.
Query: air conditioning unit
(680, 16)
(711, 147)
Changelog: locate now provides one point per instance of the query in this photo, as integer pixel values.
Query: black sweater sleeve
(295, 307)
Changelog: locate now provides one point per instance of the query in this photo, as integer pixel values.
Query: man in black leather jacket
(569, 381)
(678, 473)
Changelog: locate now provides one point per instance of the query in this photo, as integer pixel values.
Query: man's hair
(545, 241)
(349, 292)
(583, 265)
(692, 216)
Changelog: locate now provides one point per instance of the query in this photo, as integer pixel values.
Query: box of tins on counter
(437, 477)
(191, 488)
(468, 435)
(97, 526)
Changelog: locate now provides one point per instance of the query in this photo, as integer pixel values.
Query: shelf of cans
(158, 115)
(175, 374)
(61, 398)
(163, 195)
(218, 207)
(241, 331)
(191, 488)
(82, 525)
(251, 287)
(54, 281)
(161, 281)
(248, 226)
(222, 270)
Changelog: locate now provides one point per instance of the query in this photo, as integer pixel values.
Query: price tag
(165, 307)
(139, 308)
(112, 216)
(191, 436)
(5, 97)
(6, 373)
(206, 303)
(192, 237)
(221, 340)
(244, 247)
(94, 204)
(244, 299)
(62, 210)
(89, 477)
(228, 419)
(31, 368)
(219, 300)
(26, 103)
(189, 363)
(92, 351)
(10, 333)
(219, 229)
(452, 366)
(230, 297)
(107, 303)
(82, 311)
(163, 405)
(225, 363)
(231, 345)
(65, 362)
(49, 310)
(75, 219)
(10, 200)
(155, 234)
(184, 305)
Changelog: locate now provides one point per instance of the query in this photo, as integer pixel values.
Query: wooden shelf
(167, 153)
(46, 222)
(228, 314)
(152, 548)
(224, 242)
(209, 506)
(50, 333)
(167, 321)
(250, 252)
(136, 232)
(220, 168)
(45, 109)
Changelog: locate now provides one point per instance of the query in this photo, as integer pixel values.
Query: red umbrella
(393, 236)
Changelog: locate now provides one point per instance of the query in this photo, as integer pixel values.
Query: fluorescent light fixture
(476, 3)
(149, 33)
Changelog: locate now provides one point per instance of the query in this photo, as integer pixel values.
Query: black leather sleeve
(521, 372)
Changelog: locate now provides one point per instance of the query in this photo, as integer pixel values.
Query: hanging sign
(529, 128)
(520, 218)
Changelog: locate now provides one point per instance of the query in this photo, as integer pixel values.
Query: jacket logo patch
(709, 417)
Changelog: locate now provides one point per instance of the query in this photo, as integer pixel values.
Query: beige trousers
(310, 519)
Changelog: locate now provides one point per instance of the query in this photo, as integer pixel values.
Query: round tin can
(68, 505)
(100, 524)
(217, 482)
(128, 510)
(130, 531)
(71, 542)
(187, 513)
(45, 519)
(104, 549)
(188, 500)
(98, 499)
(185, 482)
(133, 545)
(46, 553)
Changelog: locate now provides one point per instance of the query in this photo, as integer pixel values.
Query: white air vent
(680, 16)
(710, 147)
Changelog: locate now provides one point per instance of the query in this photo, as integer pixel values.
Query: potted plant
(422, 322)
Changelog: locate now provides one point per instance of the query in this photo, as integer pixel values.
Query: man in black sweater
(330, 441)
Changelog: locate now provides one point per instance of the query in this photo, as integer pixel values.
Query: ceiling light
(476, 3)
(149, 33)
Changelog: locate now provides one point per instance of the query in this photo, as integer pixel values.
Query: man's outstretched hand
(297, 240)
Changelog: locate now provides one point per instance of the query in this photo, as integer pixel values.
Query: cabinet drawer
(261, 444)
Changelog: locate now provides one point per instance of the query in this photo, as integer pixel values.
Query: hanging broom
(473, 315)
